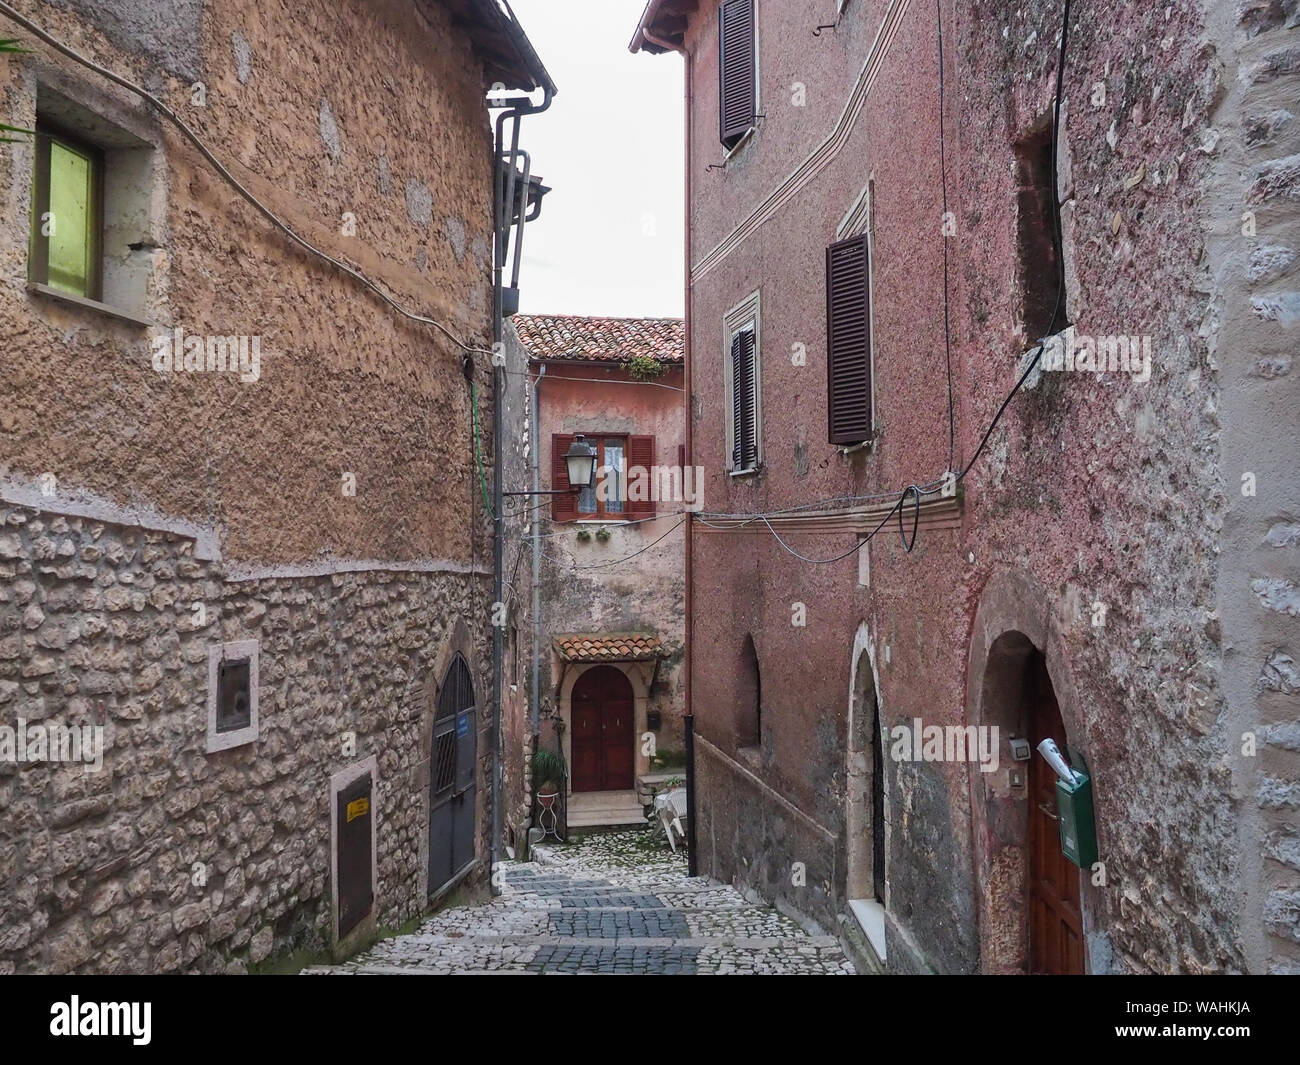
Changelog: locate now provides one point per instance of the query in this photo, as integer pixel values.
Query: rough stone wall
(194, 486)
(98, 869)
(324, 124)
(1253, 310)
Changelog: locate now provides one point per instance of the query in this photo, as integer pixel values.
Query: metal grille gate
(452, 789)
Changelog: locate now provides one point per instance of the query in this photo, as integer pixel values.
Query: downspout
(536, 694)
(503, 188)
(689, 596)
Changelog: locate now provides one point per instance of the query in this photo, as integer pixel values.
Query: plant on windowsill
(584, 536)
(548, 774)
(602, 534)
(644, 368)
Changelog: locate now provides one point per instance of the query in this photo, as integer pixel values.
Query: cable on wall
(230, 179)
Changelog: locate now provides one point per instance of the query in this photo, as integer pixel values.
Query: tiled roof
(608, 646)
(579, 337)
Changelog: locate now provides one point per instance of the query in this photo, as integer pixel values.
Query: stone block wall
(167, 858)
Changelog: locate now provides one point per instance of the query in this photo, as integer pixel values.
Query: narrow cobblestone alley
(611, 903)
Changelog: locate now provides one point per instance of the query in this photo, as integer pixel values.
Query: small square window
(232, 694)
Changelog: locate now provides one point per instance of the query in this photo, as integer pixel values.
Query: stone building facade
(1117, 569)
(618, 382)
(308, 531)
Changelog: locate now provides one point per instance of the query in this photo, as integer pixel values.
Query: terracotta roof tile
(608, 647)
(580, 338)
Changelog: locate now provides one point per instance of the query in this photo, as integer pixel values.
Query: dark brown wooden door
(1055, 919)
(603, 743)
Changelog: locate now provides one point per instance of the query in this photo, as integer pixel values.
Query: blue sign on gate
(462, 724)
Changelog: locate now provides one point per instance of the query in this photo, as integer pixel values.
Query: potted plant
(548, 775)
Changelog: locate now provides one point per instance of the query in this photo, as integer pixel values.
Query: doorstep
(870, 916)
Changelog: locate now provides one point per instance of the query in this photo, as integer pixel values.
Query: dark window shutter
(848, 342)
(565, 507)
(737, 73)
(744, 402)
(641, 454)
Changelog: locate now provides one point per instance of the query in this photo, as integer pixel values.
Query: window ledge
(38, 289)
(870, 916)
(752, 472)
(849, 449)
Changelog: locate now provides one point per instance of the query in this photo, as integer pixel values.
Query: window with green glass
(67, 216)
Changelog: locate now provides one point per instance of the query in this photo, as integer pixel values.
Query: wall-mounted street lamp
(581, 462)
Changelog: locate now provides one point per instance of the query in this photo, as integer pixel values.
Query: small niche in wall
(232, 694)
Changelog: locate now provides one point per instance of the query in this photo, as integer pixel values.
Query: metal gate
(452, 790)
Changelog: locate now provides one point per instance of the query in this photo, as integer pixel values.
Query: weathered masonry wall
(1106, 521)
(169, 858)
(314, 111)
(328, 510)
(1251, 318)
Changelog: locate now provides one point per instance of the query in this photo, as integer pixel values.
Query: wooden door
(1055, 917)
(603, 751)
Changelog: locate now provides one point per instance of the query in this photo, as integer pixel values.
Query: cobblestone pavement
(616, 902)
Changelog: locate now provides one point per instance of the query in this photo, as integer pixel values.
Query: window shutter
(848, 342)
(737, 88)
(641, 453)
(563, 508)
(744, 402)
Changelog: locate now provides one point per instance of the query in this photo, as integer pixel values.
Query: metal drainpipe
(692, 861)
(536, 699)
(503, 186)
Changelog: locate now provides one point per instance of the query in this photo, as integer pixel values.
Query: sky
(609, 238)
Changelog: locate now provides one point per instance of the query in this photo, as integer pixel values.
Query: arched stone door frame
(1014, 619)
(639, 674)
(456, 641)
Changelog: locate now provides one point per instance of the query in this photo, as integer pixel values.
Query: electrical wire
(230, 179)
(478, 458)
(625, 558)
(588, 380)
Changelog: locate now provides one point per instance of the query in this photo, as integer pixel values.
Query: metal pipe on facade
(504, 204)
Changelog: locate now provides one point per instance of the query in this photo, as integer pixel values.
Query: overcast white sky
(609, 239)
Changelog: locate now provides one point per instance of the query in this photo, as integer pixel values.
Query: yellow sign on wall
(358, 808)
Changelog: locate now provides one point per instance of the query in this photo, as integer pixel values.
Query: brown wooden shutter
(737, 72)
(565, 507)
(744, 402)
(641, 453)
(848, 342)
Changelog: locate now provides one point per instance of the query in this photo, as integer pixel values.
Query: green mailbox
(1076, 824)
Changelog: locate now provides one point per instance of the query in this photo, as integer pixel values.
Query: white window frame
(224, 741)
(857, 221)
(744, 315)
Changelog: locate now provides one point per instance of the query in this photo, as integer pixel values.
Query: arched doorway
(452, 781)
(865, 830)
(603, 751)
(1052, 898)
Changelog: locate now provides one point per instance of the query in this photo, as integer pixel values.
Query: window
(605, 500)
(743, 381)
(737, 71)
(624, 479)
(1041, 271)
(95, 235)
(848, 342)
(232, 694)
(67, 215)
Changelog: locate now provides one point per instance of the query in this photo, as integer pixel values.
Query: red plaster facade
(1088, 533)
